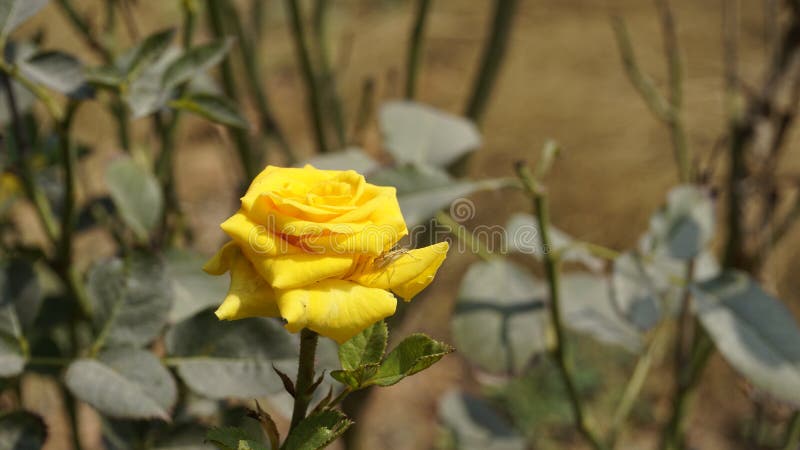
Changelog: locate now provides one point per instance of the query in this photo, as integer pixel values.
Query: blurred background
(561, 78)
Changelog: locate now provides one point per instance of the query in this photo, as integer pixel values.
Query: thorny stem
(305, 376)
(492, 58)
(314, 97)
(792, 439)
(415, 47)
(241, 139)
(326, 75)
(560, 349)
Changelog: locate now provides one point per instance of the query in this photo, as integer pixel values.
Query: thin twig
(307, 70)
(415, 47)
(327, 78)
(492, 59)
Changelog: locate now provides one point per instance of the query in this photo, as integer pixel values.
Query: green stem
(792, 440)
(463, 235)
(69, 162)
(415, 46)
(326, 75)
(250, 60)
(636, 382)
(560, 349)
(339, 398)
(314, 97)
(240, 137)
(305, 376)
(82, 26)
(492, 58)
(71, 405)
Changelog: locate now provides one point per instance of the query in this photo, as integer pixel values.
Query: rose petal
(407, 273)
(335, 308)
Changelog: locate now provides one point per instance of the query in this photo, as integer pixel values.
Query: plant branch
(327, 78)
(307, 71)
(305, 376)
(560, 350)
(415, 47)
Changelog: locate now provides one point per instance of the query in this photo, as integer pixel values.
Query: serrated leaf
(58, 71)
(15, 12)
(136, 194)
(476, 425)
(414, 354)
(419, 134)
(230, 438)
(755, 332)
(500, 320)
(193, 290)
(212, 107)
(130, 300)
(229, 359)
(195, 61)
(22, 431)
(124, 383)
(357, 378)
(364, 348)
(317, 431)
(149, 51)
(352, 158)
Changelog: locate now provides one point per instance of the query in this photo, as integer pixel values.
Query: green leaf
(12, 360)
(15, 12)
(58, 71)
(357, 378)
(352, 158)
(414, 354)
(683, 228)
(130, 300)
(17, 52)
(500, 320)
(136, 194)
(419, 134)
(124, 383)
(476, 426)
(22, 431)
(229, 359)
(364, 348)
(192, 289)
(230, 438)
(212, 107)
(195, 61)
(317, 431)
(20, 301)
(755, 332)
(149, 51)
(145, 94)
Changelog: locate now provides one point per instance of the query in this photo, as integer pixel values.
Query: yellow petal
(406, 273)
(256, 237)
(335, 308)
(293, 271)
(249, 295)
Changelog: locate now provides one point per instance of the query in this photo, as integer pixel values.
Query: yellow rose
(315, 248)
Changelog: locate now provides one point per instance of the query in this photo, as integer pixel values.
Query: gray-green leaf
(136, 194)
(125, 383)
(229, 359)
(500, 319)
(22, 431)
(193, 290)
(755, 332)
(317, 431)
(130, 300)
(15, 12)
(684, 226)
(58, 71)
(195, 61)
(476, 426)
(419, 134)
(212, 107)
(150, 50)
